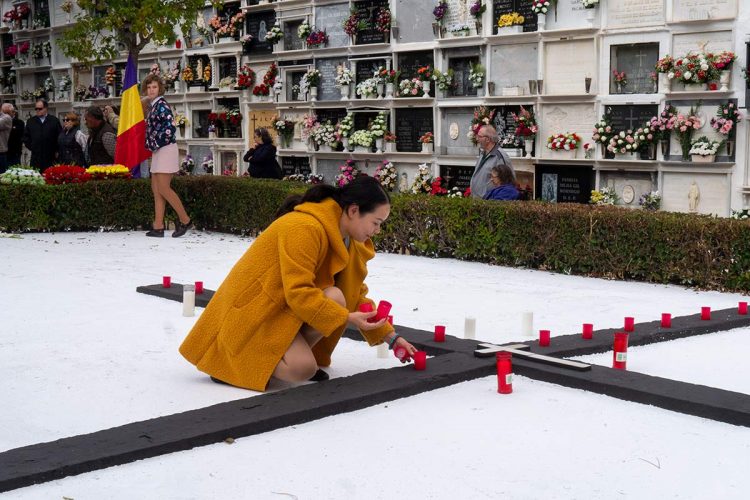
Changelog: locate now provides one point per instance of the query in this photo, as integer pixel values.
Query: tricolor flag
(131, 132)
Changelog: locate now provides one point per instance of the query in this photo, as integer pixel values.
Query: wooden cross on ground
(522, 351)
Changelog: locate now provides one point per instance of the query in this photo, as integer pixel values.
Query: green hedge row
(697, 251)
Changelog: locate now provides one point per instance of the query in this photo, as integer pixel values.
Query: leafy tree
(104, 24)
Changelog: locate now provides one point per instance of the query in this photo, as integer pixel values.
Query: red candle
(390, 319)
(384, 307)
(620, 357)
(588, 331)
(742, 308)
(166, 282)
(666, 320)
(705, 313)
(366, 307)
(401, 353)
(543, 338)
(439, 333)
(504, 372)
(178, 43)
(198, 287)
(629, 324)
(420, 360)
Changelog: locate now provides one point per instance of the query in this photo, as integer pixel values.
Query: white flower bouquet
(379, 125)
(20, 175)
(703, 146)
(361, 138)
(344, 76)
(368, 88)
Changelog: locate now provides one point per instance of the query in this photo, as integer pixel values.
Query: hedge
(698, 251)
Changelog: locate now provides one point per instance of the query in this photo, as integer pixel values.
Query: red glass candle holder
(588, 331)
(420, 360)
(198, 287)
(504, 372)
(390, 319)
(439, 333)
(384, 307)
(401, 353)
(629, 324)
(620, 348)
(166, 282)
(742, 308)
(666, 320)
(705, 313)
(544, 338)
(366, 307)
(178, 43)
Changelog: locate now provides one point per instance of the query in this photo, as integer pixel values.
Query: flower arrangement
(283, 127)
(389, 136)
(20, 175)
(353, 24)
(344, 75)
(455, 192)
(80, 92)
(425, 73)
(623, 142)
(361, 138)
(684, 126)
(477, 9)
(155, 69)
(383, 21)
(588, 150)
(187, 74)
(274, 35)
(227, 81)
(208, 163)
(23, 47)
(410, 88)
(67, 6)
(646, 136)
(443, 80)
(317, 38)
(476, 75)
(386, 175)
(309, 123)
(65, 82)
(246, 40)
(525, 123)
(436, 187)
(346, 125)
(482, 116)
(325, 133)
(440, 10)
(663, 124)
(311, 78)
(650, 201)
(589, 4)
(245, 77)
(620, 77)
(367, 88)
(66, 174)
(207, 73)
(261, 90)
(567, 142)
(47, 47)
(743, 214)
(723, 60)
(604, 196)
(106, 172)
(36, 50)
(541, 6)
(696, 67)
(422, 181)
(507, 20)
(665, 64)
(11, 50)
(727, 116)
(602, 130)
(49, 84)
(270, 77)
(427, 138)
(703, 146)
(349, 172)
(187, 165)
(304, 29)
(180, 120)
(379, 125)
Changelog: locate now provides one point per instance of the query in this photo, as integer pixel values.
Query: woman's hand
(359, 319)
(404, 344)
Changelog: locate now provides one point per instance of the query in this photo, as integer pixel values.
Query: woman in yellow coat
(285, 304)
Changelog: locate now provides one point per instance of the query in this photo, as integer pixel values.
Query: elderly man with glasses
(40, 136)
(490, 155)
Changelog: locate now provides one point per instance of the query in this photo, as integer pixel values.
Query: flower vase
(344, 89)
(345, 143)
(730, 148)
(182, 131)
(361, 149)
(313, 93)
(480, 91)
(110, 90)
(703, 159)
(379, 145)
(724, 78)
(695, 87)
(381, 91)
(541, 21)
(567, 154)
(665, 83)
(591, 15)
(63, 95)
(664, 147)
(211, 134)
(478, 26)
(618, 88)
(177, 86)
(426, 88)
(528, 146)
(270, 98)
(68, 17)
(390, 147)
(388, 90)
(427, 147)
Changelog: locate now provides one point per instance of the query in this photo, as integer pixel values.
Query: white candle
(470, 328)
(383, 350)
(188, 300)
(527, 323)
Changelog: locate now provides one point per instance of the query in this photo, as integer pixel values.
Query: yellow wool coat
(276, 287)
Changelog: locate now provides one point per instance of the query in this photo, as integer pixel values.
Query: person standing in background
(100, 148)
(491, 155)
(6, 125)
(71, 142)
(40, 136)
(15, 140)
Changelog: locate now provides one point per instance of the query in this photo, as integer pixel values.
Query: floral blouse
(160, 129)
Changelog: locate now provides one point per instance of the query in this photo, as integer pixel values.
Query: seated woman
(262, 157)
(504, 183)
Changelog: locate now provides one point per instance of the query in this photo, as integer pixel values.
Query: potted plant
(424, 74)
(664, 67)
(317, 38)
(367, 89)
(725, 123)
(566, 144)
(624, 144)
(311, 80)
(703, 150)
(510, 23)
(390, 141)
(439, 12)
(540, 8)
(427, 141)
(344, 129)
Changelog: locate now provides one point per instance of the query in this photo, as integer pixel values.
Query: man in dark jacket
(40, 136)
(102, 138)
(15, 140)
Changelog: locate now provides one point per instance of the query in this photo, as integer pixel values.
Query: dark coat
(41, 139)
(263, 164)
(502, 192)
(15, 140)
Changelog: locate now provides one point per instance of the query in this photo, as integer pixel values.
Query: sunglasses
(39, 109)
(67, 120)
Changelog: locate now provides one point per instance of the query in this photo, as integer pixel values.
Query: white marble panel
(567, 64)
(563, 118)
(458, 13)
(513, 65)
(713, 190)
(696, 10)
(634, 13)
(713, 41)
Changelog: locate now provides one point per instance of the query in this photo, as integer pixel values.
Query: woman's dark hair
(262, 132)
(504, 173)
(364, 191)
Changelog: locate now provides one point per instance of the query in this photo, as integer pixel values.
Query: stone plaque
(295, 165)
(331, 19)
(570, 62)
(714, 190)
(458, 121)
(368, 10)
(333, 114)
(513, 65)
(411, 124)
(562, 118)
(634, 13)
(457, 14)
(227, 67)
(415, 20)
(291, 40)
(523, 7)
(258, 24)
(329, 169)
(410, 62)
(366, 69)
(714, 41)
(453, 130)
(637, 61)
(630, 117)
(564, 184)
(698, 10)
(257, 119)
(292, 85)
(327, 90)
(456, 176)
(629, 185)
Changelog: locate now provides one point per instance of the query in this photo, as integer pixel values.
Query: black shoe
(219, 381)
(181, 229)
(156, 233)
(320, 376)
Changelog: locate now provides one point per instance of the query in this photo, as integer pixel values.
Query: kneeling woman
(285, 304)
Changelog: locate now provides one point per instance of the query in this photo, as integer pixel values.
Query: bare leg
(159, 203)
(298, 363)
(164, 182)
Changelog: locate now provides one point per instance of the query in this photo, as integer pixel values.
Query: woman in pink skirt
(165, 162)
